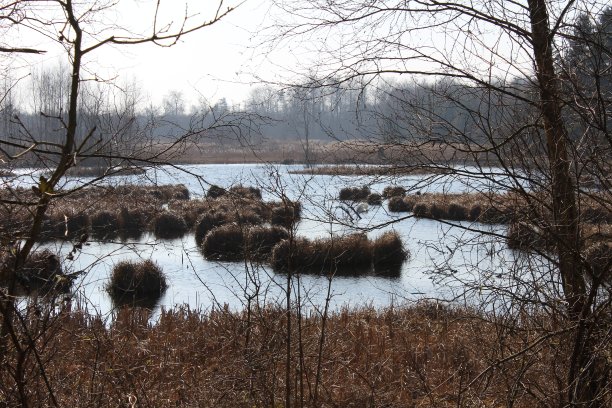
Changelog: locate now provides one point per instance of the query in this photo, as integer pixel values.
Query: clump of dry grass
(399, 204)
(247, 192)
(225, 243)
(525, 236)
(134, 222)
(374, 199)
(169, 225)
(354, 193)
(43, 271)
(353, 254)
(215, 191)
(388, 251)
(207, 222)
(342, 254)
(599, 258)
(261, 240)
(393, 191)
(136, 280)
(105, 224)
(286, 213)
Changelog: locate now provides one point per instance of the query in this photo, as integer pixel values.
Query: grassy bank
(425, 355)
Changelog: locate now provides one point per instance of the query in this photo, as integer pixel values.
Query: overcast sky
(219, 61)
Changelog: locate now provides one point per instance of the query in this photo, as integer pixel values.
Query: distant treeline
(322, 109)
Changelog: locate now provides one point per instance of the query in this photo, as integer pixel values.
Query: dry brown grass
(422, 356)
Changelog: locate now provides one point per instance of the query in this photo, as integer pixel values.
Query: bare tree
(501, 100)
(80, 29)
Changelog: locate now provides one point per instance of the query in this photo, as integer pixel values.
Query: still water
(438, 250)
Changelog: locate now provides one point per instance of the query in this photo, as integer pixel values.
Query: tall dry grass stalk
(426, 355)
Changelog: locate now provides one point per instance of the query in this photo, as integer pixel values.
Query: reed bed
(426, 355)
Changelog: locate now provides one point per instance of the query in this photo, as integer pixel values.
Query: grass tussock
(207, 222)
(374, 199)
(225, 243)
(599, 258)
(136, 280)
(42, 270)
(169, 225)
(393, 191)
(525, 236)
(286, 213)
(261, 240)
(426, 355)
(42, 273)
(388, 251)
(215, 191)
(350, 254)
(105, 225)
(247, 192)
(399, 204)
(354, 193)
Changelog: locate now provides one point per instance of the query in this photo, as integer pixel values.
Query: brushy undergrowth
(427, 355)
(42, 272)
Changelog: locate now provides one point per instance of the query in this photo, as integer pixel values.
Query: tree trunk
(565, 224)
